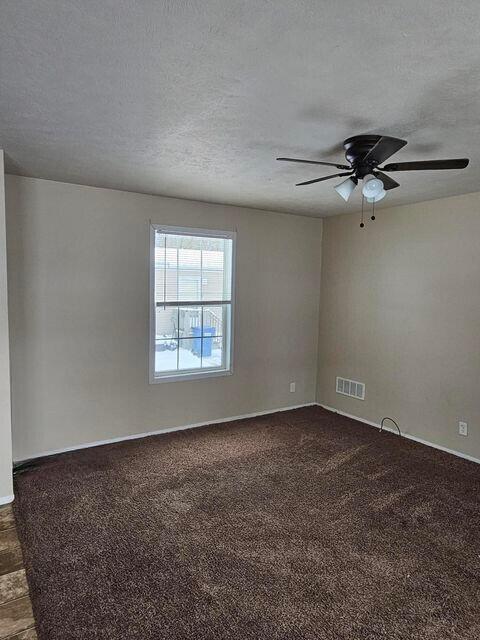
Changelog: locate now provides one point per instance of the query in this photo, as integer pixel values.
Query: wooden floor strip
(13, 585)
(8, 540)
(7, 520)
(28, 634)
(11, 560)
(15, 616)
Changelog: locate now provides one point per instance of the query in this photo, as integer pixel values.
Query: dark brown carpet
(296, 525)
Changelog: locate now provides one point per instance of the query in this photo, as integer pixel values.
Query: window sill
(179, 377)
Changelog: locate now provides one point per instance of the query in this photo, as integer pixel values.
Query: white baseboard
(157, 432)
(6, 499)
(465, 456)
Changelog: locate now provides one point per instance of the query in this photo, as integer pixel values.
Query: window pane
(189, 354)
(213, 320)
(189, 272)
(166, 322)
(190, 322)
(216, 273)
(165, 269)
(165, 355)
(171, 271)
(159, 283)
(159, 266)
(191, 268)
(212, 354)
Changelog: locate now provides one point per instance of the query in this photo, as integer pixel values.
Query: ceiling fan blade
(424, 165)
(384, 148)
(335, 175)
(327, 164)
(388, 183)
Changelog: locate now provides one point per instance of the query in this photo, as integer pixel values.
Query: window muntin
(192, 274)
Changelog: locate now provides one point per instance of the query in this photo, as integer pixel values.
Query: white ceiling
(195, 99)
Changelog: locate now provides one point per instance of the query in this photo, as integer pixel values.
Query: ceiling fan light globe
(377, 198)
(372, 186)
(345, 188)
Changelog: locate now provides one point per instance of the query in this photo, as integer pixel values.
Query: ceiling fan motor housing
(356, 148)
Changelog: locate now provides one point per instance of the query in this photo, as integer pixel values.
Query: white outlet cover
(292, 387)
(463, 428)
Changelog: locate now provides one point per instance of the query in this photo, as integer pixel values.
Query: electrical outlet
(463, 429)
(292, 387)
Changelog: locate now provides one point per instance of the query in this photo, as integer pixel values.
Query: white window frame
(190, 374)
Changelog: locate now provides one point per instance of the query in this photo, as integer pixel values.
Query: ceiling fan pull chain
(362, 224)
(373, 211)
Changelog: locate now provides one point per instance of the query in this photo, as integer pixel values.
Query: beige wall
(78, 283)
(6, 489)
(400, 311)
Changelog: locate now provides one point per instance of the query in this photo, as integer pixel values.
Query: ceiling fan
(364, 153)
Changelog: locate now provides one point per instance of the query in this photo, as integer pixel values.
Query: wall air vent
(351, 388)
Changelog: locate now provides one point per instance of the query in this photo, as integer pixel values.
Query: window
(191, 303)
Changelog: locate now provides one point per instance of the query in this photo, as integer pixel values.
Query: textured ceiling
(196, 99)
